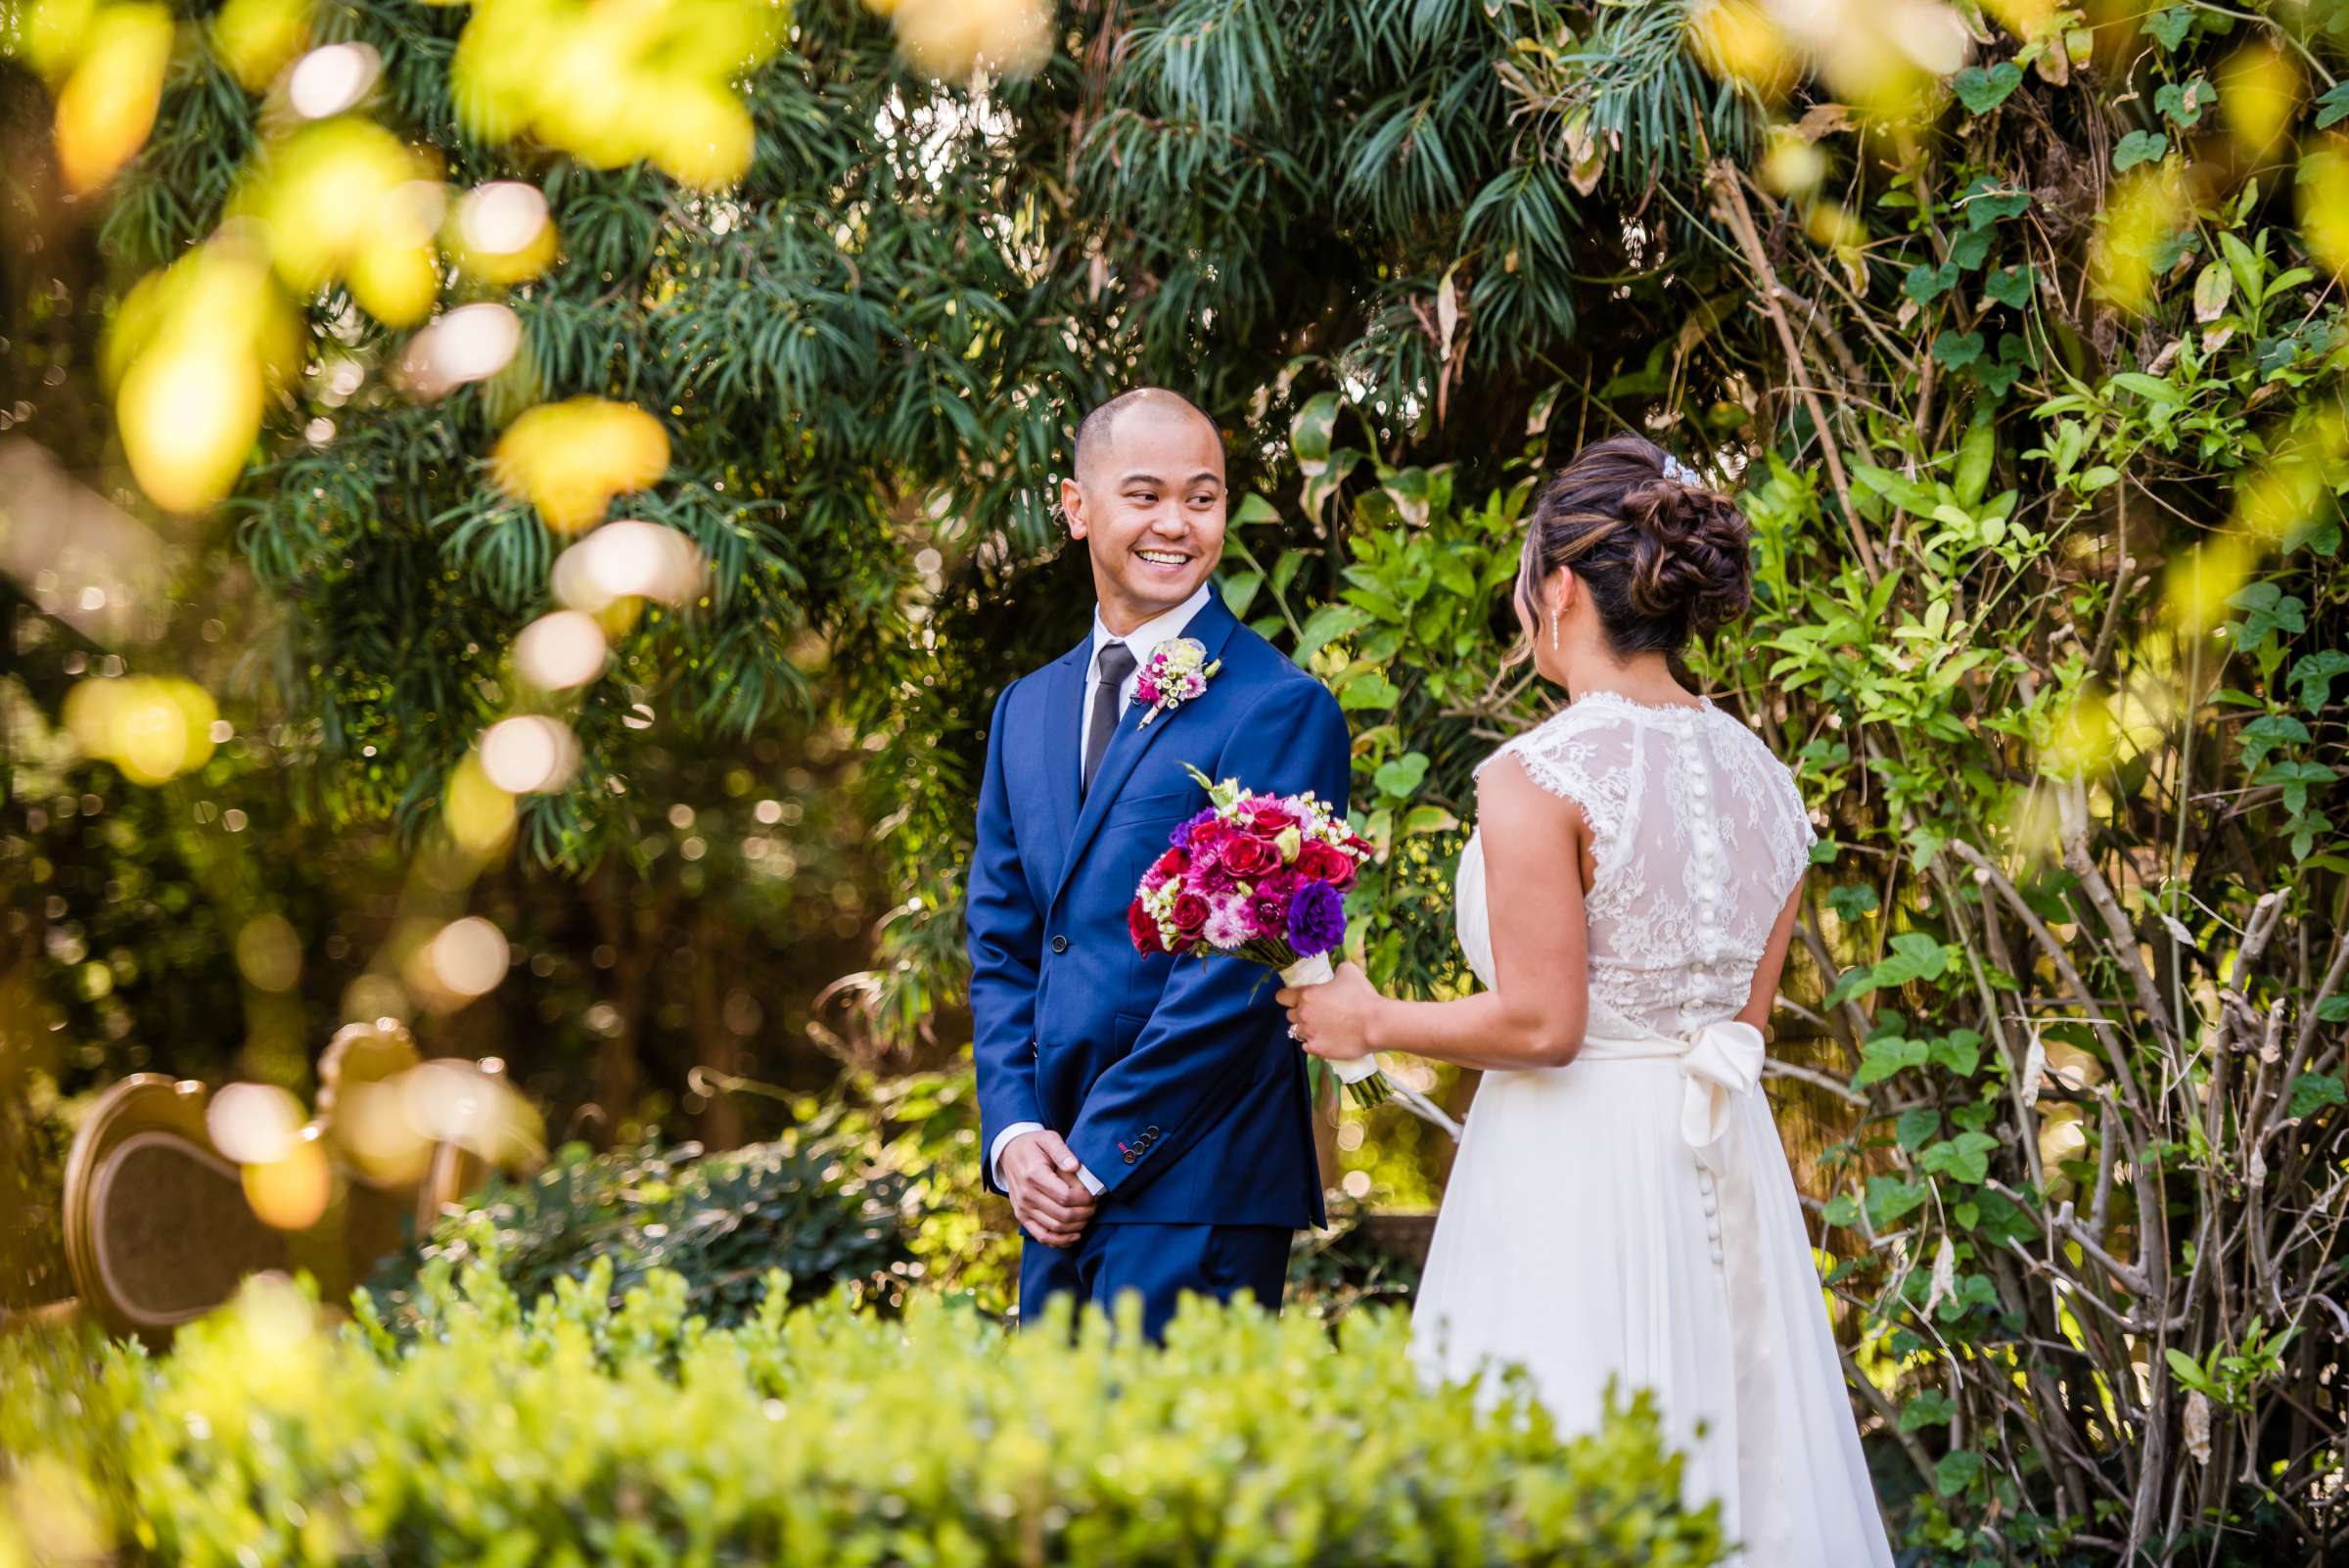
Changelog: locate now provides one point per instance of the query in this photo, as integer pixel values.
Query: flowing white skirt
(1583, 1238)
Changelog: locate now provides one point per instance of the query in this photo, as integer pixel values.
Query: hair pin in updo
(1680, 473)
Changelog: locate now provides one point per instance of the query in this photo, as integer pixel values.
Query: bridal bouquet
(1261, 877)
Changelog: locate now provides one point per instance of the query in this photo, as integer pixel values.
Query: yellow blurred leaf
(107, 106)
(255, 39)
(2259, 92)
(569, 459)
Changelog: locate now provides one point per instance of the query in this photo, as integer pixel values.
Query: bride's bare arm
(1763, 997)
(1533, 844)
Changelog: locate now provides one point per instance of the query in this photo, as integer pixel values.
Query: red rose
(1267, 820)
(1322, 862)
(1143, 929)
(1172, 863)
(1246, 857)
(1191, 917)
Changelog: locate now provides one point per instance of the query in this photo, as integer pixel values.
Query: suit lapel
(1210, 627)
(1063, 752)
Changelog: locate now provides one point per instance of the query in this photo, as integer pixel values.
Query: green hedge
(567, 1434)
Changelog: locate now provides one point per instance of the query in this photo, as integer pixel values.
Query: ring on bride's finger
(1296, 1034)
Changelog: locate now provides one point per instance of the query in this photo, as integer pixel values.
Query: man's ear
(1072, 508)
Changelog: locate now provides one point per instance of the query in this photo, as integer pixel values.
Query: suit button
(1060, 945)
(1150, 1131)
(1130, 1158)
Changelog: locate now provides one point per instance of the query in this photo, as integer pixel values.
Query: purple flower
(1317, 919)
(1180, 838)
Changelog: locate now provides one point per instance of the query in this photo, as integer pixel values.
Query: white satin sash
(1721, 1069)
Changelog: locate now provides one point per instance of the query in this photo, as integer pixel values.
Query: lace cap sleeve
(1563, 758)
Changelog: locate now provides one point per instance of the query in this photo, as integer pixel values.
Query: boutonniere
(1177, 672)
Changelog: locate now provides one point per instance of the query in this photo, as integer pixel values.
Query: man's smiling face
(1149, 504)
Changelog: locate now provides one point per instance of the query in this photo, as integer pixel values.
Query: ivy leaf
(1879, 1059)
(1960, 1052)
(2334, 1009)
(2317, 1089)
(2167, 28)
(1957, 1471)
(2182, 103)
(1326, 626)
(2263, 735)
(1854, 900)
(1370, 689)
(2139, 146)
(1915, 956)
(1970, 249)
(1403, 774)
(1932, 1407)
(1957, 351)
(2010, 285)
(2013, 359)
(2333, 107)
(1841, 1210)
(2267, 609)
(1927, 284)
(2295, 777)
(1983, 90)
(1964, 1158)
(1916, 1125)
(1986, 202)
(2313, 673)
(1891, 1198)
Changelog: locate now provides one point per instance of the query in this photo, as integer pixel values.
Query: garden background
(335, 332)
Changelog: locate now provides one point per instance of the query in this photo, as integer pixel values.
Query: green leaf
(1932, 1407)
(1879, 1059)
(1239, 592)
(1891, 1198)
(1841, 1210)
(1957, 1471)
(1402, 776)
(1925, 284)
(1972, 248)
(2334, 1009)
(1983, 90)
(1965, 1157)
(2181, 103)
(2267, 732)
(1986, 202)
(2167, 28)
(2332, 107)
(2139, 146)
(1905, 495)
(1956, 350)
(1309, 432)
(2010, 285)
(2313, 675)
(1370, 689)
(1254, 508)
(1915, 1126)
(1326, 626)
(1853, 899)
(1915, 956)
(2313, 1092)
(1959, 1052)
(1428, 819)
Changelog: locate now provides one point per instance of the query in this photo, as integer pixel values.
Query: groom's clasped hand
(1047, 1197)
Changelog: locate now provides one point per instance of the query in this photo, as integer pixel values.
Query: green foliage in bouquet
(809, 1205)
(569, 1432)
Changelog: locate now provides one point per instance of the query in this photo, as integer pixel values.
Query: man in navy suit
(1148, 1116)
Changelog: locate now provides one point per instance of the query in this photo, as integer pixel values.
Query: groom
(1147, 1115)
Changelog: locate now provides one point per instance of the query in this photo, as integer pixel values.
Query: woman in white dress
(1621, 1207)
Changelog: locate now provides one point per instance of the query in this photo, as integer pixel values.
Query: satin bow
(1724, 1059)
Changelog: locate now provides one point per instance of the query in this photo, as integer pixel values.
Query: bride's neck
(1646, 679)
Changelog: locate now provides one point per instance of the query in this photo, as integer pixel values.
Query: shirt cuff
(994, 1152)
(994, 1156)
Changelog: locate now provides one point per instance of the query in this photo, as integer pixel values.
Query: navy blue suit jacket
(1173, 1080)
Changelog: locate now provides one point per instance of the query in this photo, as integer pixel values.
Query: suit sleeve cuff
(994, 1152)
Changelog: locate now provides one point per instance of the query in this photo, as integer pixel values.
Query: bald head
(1096, 436)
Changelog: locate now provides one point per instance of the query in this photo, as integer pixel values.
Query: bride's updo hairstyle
(1663, 560)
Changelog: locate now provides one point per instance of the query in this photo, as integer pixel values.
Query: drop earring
(1553, 631)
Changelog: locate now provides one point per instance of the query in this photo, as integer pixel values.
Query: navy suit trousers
(1159, 1263)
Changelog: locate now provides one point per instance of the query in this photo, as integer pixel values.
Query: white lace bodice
(1699, 835)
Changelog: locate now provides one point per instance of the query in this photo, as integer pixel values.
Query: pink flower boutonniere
(1177, 672)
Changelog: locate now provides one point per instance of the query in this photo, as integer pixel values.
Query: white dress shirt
(1143, 642)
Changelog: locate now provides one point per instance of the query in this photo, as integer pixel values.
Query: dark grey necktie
(1114, 664)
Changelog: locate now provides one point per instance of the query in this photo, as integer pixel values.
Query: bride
(1621, 1207)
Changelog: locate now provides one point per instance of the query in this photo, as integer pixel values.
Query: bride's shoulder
(1579, 754)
